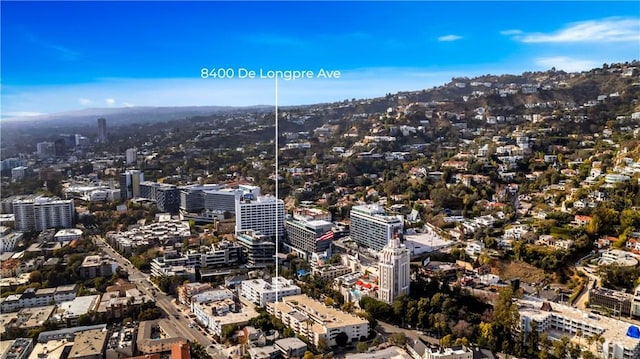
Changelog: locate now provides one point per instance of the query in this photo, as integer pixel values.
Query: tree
(323, 345)
(446, 341)
(398, 339)
(342, 339)
(348, 307)
(560, 347)
(505, 312)
(35, 276)
(533, 338)
(328, 302)
(362, 347)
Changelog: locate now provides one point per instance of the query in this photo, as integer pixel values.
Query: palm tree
(579, 334)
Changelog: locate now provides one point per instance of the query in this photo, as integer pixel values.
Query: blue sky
(61, 56)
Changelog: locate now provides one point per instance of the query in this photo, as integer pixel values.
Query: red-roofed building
(634, 245)
(582, 220)
(180, 351)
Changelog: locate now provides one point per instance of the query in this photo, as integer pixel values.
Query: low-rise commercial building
(68, 235)
(19, 349)
(96, 266)
(291, 347)
(31, 318)
(619, 303)
(260, 292)
(186, 291)
(330, 271)
(157, 336)
(69, 312)
(460, 352)
(89, 344)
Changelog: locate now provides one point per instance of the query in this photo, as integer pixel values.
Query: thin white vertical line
(276, 171)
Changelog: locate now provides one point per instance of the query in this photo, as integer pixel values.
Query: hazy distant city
(427, 212)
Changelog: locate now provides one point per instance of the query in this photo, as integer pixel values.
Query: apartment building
(40, 213)
(261, 292)
(313, 320)
(558, 320)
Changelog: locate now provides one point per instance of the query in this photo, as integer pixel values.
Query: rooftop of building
(279, 282)
(613, 330)
(170, 333)
(89, 343)
(392, 352)
(34, 317)
(290, 343)
(69, 232)
(246, 313)
(612, 293)
(265, 352)
(330, 317)
(94, 260)
(121, 337)
(78, 306)
(53, 349)
(17, 347)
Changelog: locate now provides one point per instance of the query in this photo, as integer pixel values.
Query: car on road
(176, 316)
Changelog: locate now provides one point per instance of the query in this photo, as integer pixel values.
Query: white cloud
(449, 38)
(565, 63)
(614, 29)
(109, 101)
(21, 114)
(85, 101)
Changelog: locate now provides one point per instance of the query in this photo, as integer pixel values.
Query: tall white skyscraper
(131, 155)
(372, 227)
(259, 214)
(394, 271)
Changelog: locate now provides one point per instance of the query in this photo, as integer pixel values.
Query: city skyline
(77, 55)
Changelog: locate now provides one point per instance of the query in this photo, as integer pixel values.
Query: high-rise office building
(131, 155)
(40, 213)
(45, 149)
(130, 184)
(258, 250)
(259, 214)
(394, 271)
(166, 196)
(372, 227)
(59, 147)
(10, 163)
(102, 130)
(306, 236)
(222, 200)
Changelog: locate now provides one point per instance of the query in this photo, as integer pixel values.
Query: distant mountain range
(119, 116)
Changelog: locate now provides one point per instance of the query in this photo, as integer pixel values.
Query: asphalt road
(163, 301)
(386, 329)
